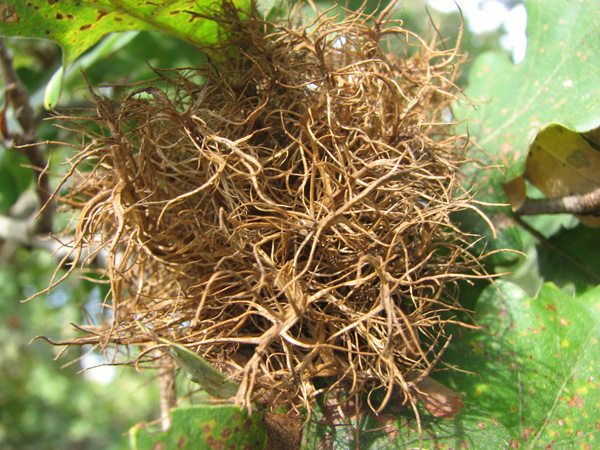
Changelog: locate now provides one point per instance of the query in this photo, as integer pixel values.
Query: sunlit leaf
(76, 25)
(556, 83)
(204, 427)
(536, 365)
(102, 50)
(198, 369)
(562, 162)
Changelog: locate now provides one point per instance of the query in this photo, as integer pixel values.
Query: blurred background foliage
(43, 404)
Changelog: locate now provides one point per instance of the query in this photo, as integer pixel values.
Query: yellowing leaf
(516, 191)
(561, 162)
(555, 83)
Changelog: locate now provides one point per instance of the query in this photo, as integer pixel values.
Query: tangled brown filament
(284, 211)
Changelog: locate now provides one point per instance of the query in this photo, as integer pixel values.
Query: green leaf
(472, 428)
(506, 237)
(14, 177)
(108, 45)
(583, 271)
(536, 365)
(201, 372)
(78, 24)
(198, 369)
(9, 193)
(555, 83)
(204, 427)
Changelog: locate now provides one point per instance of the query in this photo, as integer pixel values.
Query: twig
(166, 382)
(583, 204)
(18, 99)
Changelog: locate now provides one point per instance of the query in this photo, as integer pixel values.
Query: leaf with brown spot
(76, 25)
(554, 84)
(203, 426)
(535, 365)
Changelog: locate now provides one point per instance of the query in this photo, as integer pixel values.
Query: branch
(18, 99)
(166, 383)
(582, 204)
(21, 232)
(19, 227)
(23, 225)
(14, 230)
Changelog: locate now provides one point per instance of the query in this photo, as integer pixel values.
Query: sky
(488, 15)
